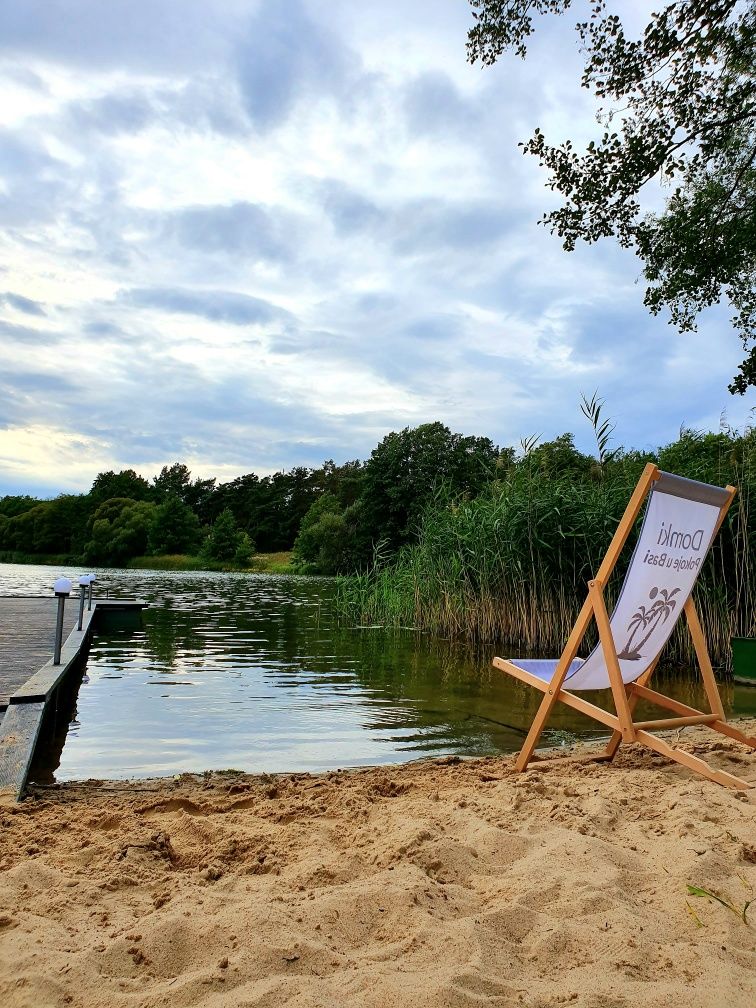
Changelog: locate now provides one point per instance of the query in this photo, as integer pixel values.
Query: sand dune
(448, 883)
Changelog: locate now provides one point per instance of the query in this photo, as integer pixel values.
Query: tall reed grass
(512, 565)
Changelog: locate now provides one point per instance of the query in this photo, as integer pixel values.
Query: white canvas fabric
(678, 528)
(545, 668)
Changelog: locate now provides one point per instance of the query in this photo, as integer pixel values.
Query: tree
(226, 543)
(321, 544)
(558, 458)
(11, 505)
(54, 526)
(305, 545)
(60, 525)
(407, 469)
(244, 550)
(175, 528)
(172, 481)
(126, 483)
(332, 544)
(344, 481)
(176, 480)
(681, 110)
(119, 530)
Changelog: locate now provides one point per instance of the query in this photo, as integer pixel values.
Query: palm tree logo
(663, 606)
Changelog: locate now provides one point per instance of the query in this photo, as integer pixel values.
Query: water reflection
(252, 672)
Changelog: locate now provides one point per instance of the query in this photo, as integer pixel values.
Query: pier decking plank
(27, 631)
(20, 728)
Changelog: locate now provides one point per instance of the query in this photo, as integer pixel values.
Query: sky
(255, 235)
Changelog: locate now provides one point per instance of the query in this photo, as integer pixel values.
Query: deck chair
(682, 518)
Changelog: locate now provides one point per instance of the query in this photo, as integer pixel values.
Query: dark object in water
(744, 660)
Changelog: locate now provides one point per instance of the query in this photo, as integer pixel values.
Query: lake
(253, 672)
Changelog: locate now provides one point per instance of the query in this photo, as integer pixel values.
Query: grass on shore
(260, 563)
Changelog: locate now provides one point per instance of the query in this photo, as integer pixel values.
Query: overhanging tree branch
(686, 96)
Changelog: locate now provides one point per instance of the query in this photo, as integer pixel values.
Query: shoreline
(548, 754)
(443, 882)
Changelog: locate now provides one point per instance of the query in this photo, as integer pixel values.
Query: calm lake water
(252, 672)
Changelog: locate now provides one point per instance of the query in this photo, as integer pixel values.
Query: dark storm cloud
(215, 306)
(286, 57)
(433, 104)
(348, 210)
(22, 304)
(166, 35)
(34, 183)
(26, 334)
(245, 229)
(427, 225)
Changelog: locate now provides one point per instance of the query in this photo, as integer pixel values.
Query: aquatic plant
(512, 564)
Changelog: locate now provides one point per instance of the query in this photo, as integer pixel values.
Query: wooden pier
(27, 631)
(29, 681)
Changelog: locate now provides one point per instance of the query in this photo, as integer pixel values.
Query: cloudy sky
(252, 235)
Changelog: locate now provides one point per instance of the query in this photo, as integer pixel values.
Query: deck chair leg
(632, 701)
(725, 728)
(539, 723)
(619, 690)
(551, 693)
(704, 662)
(692, 762)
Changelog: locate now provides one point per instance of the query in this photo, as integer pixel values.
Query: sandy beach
(444, 883)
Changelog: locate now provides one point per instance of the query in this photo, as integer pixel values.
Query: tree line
(336, 518)
(359, 516)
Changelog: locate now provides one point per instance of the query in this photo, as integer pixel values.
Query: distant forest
(339, 519)
(334, 517)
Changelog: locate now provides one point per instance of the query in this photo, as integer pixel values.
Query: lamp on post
(92, 580)
(83, 585)
(62, 589)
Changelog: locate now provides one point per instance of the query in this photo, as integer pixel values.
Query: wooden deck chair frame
(626, 697)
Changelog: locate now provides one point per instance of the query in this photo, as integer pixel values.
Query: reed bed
(512, 565)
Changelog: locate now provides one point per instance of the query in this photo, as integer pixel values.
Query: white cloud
(249, 234)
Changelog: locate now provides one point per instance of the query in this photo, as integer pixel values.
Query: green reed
(512, 565)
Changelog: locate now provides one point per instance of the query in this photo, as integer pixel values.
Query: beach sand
(445, 883)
